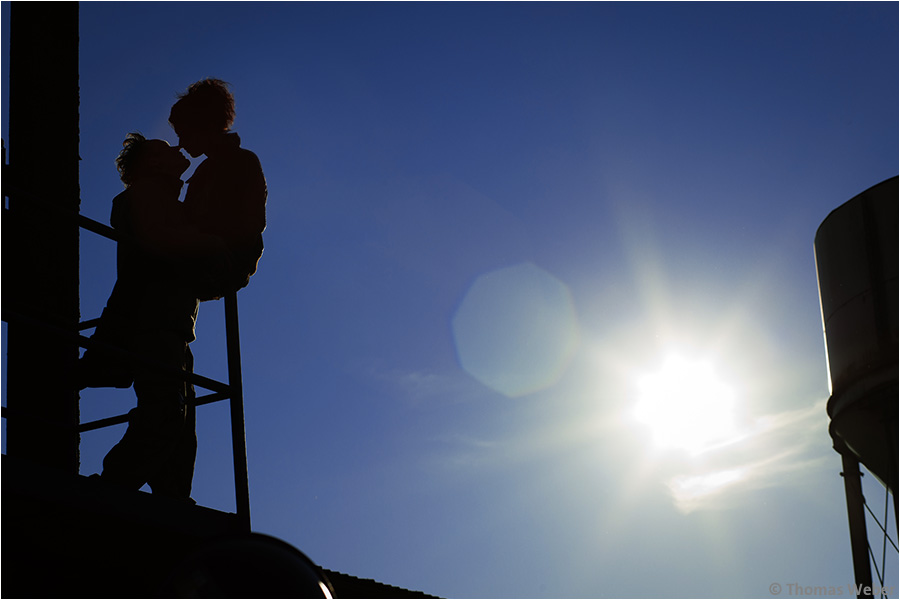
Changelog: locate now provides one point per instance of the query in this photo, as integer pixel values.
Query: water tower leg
(859, 543)
(892, 461)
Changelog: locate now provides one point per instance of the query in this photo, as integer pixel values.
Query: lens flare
(516, 330)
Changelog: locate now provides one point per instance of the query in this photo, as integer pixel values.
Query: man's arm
(250, 210)
(159, 230)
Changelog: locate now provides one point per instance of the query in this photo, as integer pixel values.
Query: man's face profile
(190, 141)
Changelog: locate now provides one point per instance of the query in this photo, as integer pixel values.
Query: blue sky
(489, 228)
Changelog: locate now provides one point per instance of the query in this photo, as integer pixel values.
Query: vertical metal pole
(856, 516)
(238, 435)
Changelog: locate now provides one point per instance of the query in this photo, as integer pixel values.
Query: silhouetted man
(151, 312)
(226, 196)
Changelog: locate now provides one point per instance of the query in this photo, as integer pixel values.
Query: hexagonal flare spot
(516, 330)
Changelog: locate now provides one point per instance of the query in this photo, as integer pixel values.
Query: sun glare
(685, 406)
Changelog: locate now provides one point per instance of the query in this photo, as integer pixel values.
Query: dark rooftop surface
(67, 536)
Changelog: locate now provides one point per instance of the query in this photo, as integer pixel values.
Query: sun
(686, 406)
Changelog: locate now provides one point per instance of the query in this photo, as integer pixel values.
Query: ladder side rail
(238, 433)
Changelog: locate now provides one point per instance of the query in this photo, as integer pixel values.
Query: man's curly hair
(132, 151)
(206, 104)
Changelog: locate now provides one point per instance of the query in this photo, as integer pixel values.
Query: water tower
(856, 249)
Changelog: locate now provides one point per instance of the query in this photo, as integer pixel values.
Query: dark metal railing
(232, 390)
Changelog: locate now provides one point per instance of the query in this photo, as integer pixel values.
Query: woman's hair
(206, 105)
(129, 158)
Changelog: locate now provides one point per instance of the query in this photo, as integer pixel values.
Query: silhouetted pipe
(40, 265)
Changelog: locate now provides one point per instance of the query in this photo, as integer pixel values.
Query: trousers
(159, 447)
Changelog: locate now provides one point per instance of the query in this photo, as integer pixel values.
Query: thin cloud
(420, 386)
(780, 449)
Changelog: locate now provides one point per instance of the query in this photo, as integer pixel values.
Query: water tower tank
(856, 252)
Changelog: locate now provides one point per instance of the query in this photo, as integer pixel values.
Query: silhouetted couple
(171, 255)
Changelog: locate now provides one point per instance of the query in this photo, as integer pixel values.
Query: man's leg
(157, 423)
(177, 474)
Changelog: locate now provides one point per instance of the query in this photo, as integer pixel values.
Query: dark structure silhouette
(62, 534)
(40, 258)
(856, 249)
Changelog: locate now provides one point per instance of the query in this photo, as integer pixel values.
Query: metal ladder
(231, 390)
